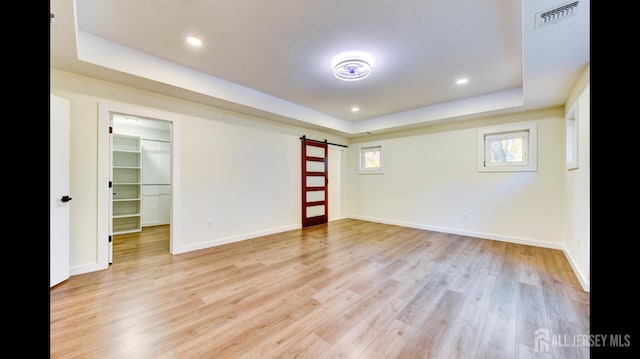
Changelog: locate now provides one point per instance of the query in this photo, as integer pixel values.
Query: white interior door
(59, 190)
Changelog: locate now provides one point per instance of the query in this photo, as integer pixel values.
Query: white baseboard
(93, 267)
(584, 281)
(86, 268)
(496, 237)
(532, 242)
(231, 239)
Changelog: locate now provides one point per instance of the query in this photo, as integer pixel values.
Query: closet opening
(140, 183)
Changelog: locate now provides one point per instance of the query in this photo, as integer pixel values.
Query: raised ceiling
(273, 58)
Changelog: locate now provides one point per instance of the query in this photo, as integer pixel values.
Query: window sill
(508, 169)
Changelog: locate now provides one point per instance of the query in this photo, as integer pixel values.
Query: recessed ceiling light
(462, 81)
(194, 41)
(355, 109)
(352, 65)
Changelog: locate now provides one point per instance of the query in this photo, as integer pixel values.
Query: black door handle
(65, 199)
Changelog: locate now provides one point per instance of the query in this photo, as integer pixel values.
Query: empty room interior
(320, 179)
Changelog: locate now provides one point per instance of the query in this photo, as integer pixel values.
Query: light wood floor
(349, 289)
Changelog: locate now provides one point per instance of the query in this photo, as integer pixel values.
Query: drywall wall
(83, 178)
(240, 171)
(338, 180)
(578, 185)
(430, 181)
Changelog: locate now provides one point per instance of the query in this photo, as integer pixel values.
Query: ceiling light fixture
(352, 66)
(194, 41)
(462, 81)
(352, 70)
(355, 109)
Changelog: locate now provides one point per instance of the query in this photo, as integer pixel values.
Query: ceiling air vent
(554, 15)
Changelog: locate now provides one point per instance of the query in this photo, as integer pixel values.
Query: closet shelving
(126, 167)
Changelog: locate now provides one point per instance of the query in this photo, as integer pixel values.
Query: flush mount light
(352, 66)
(355, 109)
(352, 70)
(194, 41)
(462, 81)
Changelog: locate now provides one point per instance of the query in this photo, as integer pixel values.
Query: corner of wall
(584, 280)
(576, 246)
(583, 81)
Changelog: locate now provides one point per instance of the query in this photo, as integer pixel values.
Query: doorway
(140, 181)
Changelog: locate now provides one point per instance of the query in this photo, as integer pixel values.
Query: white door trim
(105, 108)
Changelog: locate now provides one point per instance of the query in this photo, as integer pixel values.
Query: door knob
(65, 199)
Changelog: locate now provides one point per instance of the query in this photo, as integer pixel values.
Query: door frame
(105, 110)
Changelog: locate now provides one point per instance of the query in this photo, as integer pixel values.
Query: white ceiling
(271, 58)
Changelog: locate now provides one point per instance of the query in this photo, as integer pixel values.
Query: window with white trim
(371, 159)
(507, 148)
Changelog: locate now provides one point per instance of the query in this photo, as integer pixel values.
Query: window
(371, 159)
(507, 148)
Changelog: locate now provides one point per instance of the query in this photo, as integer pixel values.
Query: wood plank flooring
(348, 289)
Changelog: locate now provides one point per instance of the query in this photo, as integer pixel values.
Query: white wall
(246, 180)
(338, 181)
(244, 172)
(430, 181)
(241, 171)
(578, 186)
(83, 178)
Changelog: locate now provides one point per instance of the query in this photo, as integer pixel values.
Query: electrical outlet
(578, 242)
(210, 222)
(465, 215)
